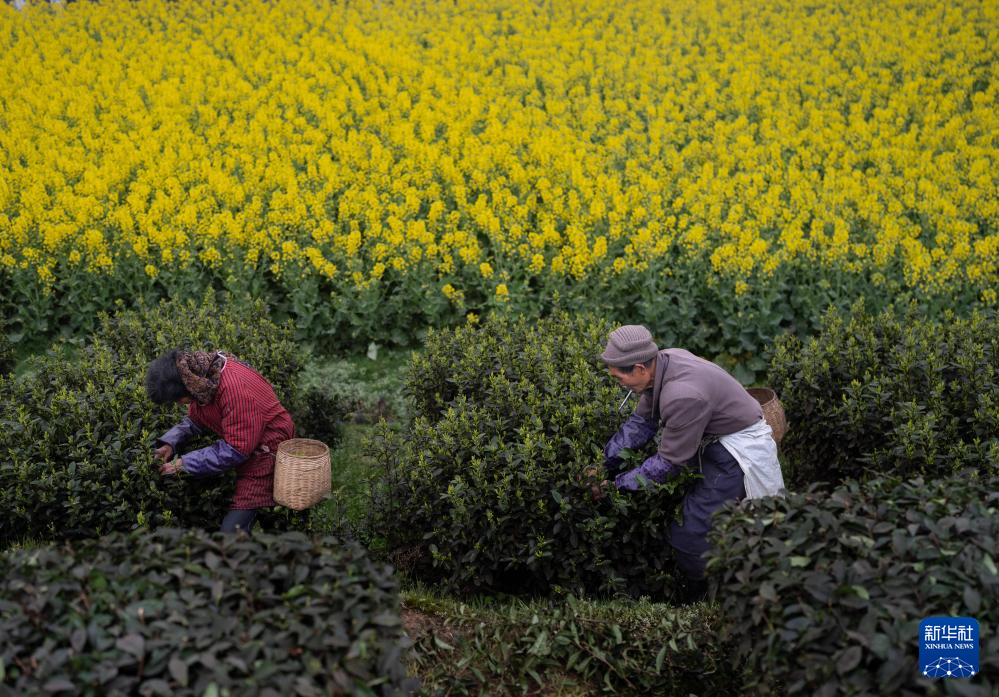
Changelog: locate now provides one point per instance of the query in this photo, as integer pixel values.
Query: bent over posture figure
(708, 421)
(228, 397)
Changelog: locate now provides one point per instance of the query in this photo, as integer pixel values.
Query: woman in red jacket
(228, 397)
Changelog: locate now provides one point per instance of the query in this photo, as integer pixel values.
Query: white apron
(756, 452)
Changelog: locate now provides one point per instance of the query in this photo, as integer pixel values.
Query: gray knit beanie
(629, 345)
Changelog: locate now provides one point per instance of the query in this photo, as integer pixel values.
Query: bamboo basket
(773, 410)
(301, 473)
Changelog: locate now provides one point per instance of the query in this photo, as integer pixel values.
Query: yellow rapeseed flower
(364, 137)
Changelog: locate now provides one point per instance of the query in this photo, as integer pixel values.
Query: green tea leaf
(848, 660)
(178, 671)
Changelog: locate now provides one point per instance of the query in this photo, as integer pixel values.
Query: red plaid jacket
(249, 418)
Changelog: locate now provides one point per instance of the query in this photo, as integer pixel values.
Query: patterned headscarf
(200, 371)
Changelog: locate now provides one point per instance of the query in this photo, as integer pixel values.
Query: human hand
(598, 486)
(173, 467)
(599, 490)
(164, 452)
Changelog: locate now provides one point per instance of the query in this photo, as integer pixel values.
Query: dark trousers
(239, 520)
(722, 482)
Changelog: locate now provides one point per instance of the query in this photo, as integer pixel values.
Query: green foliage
(174, 612)
(218, 322)
(890, 393)
(484, 489)
(321, 417)
(7, 356)
(680, 296)
(76, 443)
(359, 390)
(825, 593)
(369, 388)
(571, 646)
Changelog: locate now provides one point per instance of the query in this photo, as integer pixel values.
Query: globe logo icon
(949, 668)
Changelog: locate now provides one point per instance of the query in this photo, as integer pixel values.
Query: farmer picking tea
(231, 399)
(709, 423)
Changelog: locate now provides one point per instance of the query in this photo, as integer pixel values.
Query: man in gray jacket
(694, 402)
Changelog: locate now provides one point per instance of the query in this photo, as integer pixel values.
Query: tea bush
(483, 490)
(825, 593)
(140, 335)
(174, 612)
(890, 393)
(571, 646)
(218, 322)
(321, 415)
(76, 442)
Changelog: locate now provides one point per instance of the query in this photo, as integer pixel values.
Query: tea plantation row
(482, 490)
(76, 444)
(174, 612)
(896, 438)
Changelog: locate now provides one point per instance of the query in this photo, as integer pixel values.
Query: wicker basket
(773, 410)
(301, 473)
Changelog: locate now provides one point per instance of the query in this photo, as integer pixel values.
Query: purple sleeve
(655, 469)
(183, 431)
(213, 459)
(634, 433)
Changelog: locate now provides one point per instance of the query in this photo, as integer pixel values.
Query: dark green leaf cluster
(485, 490)
(7, 356)
(226, 323)
(174, 612)
(321, 415)
(893, 393)
(219, 322)
(76, 434)
(825, 593)
(578, 647)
